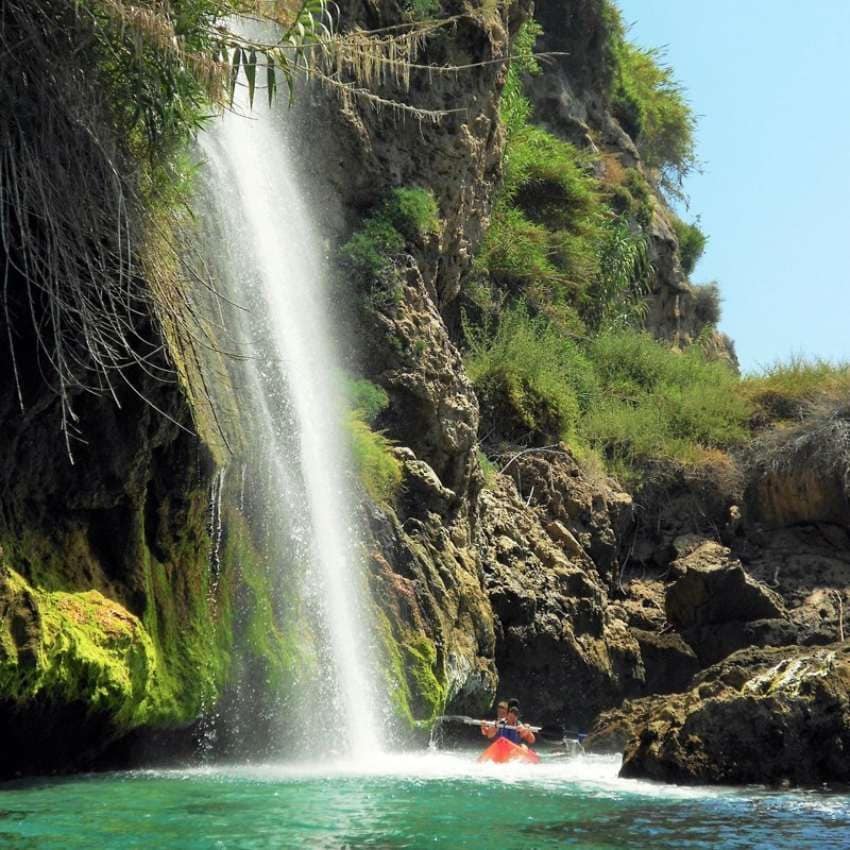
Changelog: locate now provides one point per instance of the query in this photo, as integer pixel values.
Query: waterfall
(267, 256)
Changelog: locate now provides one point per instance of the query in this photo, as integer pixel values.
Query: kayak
(502, 750)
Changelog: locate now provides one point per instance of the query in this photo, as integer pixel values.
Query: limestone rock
(669, 662)
(713, 588)
(771, 715)
(557, 649)
(433, 408)
(575, 508)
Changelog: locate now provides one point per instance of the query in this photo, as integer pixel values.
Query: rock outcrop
(767, 715)
(556, 638)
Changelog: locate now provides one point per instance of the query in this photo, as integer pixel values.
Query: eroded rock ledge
(772, 715)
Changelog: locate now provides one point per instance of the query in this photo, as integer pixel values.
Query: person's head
(501, 709)
(513, 712)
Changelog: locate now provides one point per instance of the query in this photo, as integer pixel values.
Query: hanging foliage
(97, 101)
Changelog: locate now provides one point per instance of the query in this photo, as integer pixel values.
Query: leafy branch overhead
(99, 99)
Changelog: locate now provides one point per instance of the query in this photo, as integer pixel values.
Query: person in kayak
(489, 730)
(507, 725)
(523, 735)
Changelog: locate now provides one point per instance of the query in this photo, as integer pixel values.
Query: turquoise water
(428, 801)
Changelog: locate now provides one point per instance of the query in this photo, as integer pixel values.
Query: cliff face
(128, 578)
(540, 580)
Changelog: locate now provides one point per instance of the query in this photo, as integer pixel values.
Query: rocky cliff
(128, 578)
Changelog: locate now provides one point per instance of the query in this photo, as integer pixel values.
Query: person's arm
(527, 735)
(488, 730)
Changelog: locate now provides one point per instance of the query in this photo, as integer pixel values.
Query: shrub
(550, 179)
(632, 197)
(413, 212)
(706, 304)
(514, 106)
(615, 298)
(420, 10)
(787, 390)
(516, 251)
(370, 250)
(407, 215)
(692, 243)
(660, 404)
(529, 373)
(651, 106)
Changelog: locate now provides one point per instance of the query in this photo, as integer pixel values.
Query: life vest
(511, 734)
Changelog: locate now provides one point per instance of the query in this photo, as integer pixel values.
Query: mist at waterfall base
(415, 802)
(268, 264)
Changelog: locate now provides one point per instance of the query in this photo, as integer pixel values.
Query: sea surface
(434, 800)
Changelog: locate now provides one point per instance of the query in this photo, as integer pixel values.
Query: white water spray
(273, 265)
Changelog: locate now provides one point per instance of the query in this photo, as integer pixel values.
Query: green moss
(365, 399)
(412, 675)
(191, 631)
(379, 470)
(377, 467)
(78, 646)
(273, 638)
(488, 469)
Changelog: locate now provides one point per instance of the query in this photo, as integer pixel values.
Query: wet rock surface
(768, 715)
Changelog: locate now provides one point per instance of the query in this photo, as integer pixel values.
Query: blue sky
(770, 81)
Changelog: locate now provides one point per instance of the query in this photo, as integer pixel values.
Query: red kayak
(502, 750)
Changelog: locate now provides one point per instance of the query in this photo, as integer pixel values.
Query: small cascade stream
(267, 258)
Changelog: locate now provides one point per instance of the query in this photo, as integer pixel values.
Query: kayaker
(489, 730)
(520, 733)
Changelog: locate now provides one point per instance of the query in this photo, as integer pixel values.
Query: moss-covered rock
(78, 647)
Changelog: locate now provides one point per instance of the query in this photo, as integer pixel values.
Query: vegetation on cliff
(377, 467)
(554, 318)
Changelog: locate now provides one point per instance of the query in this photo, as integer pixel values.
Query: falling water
(268, 258)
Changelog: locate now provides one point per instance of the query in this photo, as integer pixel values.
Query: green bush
(632, 197)
(787, 390)
(660, 404)
(420, 10)
(692, 243)
(652, 108)
(527, 371)
(550, 179)
(514, 106)
(615, 298)
(518, 252)
(370, 250)
(413, 212)
(407, 215)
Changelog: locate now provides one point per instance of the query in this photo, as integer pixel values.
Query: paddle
(471, 721)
